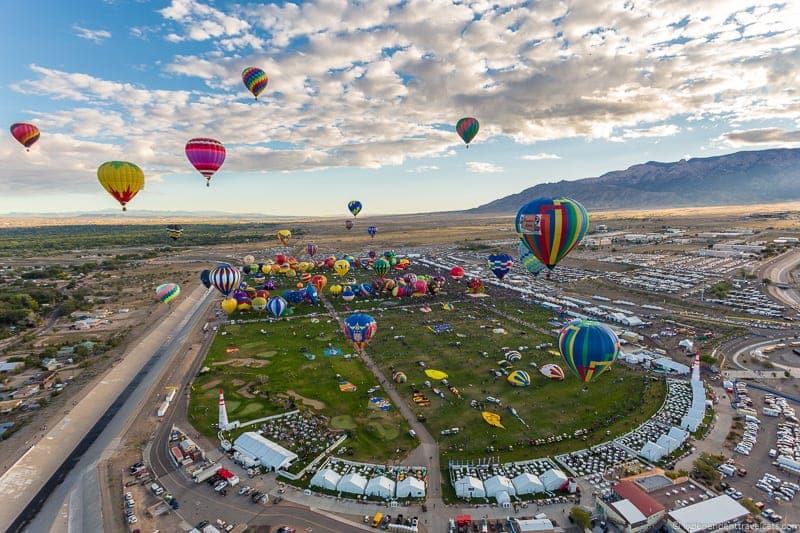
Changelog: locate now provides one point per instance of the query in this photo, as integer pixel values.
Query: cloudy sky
(363, 96)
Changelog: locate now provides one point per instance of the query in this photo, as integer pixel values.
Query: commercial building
(715, 514)
(252, 448)
(631, 508)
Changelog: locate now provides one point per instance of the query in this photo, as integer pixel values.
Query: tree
(581, 517)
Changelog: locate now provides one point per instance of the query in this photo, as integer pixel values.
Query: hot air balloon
(457, 272)
(284, 236)
(436, 284)
(467, 129)
(167, 292)
(341, 267)
(205, 278)
(372, 230)
(475, 286)
(255, 80)
(174, 231)
(229, 305)
(311, 249)
(319, 281)
(348, 295)
(335, 290)
(26, 134)
(381, 267)
(552, 227)
(206, 156)
(249, 260)
(528, 260)
(354, 207)
(399, 377)
(276, 306)
(513, 356)
(552, 371)
(589, 348)
(500, 264)
(348, 224)
(519, 378)
(121, 179)
(359, 329)
(226, 279)
(259, 303)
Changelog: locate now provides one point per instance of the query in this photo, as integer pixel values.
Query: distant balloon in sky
(206, 156)
(167, 292)
(467, 128)
(121, 179)
(354, 207)
(255, 80)
(348, 224)
(372, 230)
(26, 134)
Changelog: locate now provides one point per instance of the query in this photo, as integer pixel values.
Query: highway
(61, 466)
(779, 270)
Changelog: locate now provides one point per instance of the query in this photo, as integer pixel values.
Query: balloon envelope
(255, 80)
(528, 260)
(284, 236)
(167, 292)
(205, 278)
(121, 179)
(359, 329)
(467, 128)
(500, 264)
(226, 279)
(348, 224)
(372, 230)
(206, 156)
(552, 371)
(552, 227)
(276, 306)
(26, 134)
(457, 273)
(229, 305)
(355, 207)
(311, 249)
(341, 267)
(589, 348)
(519, 378)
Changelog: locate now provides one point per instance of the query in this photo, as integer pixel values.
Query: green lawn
(374, 434)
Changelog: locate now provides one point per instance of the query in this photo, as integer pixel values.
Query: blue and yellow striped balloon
(528, 260)
(552, 227)
(589, 348)
(519, 378)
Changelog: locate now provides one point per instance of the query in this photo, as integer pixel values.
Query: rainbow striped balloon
(589, 348)
(26, 134)
(552, 227)
(255, 80)
(168, 292)
(467, 128)
(206, 156)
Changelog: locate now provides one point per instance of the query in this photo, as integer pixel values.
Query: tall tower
(223, 413)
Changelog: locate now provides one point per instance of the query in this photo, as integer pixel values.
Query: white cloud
(96, 36)
(540, 156)
(663, 130)
(762, 136)
(480, 167)
(423, 169)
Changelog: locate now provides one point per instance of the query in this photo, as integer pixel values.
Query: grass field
(267, 373)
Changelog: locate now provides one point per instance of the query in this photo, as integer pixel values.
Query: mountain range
(747, 177)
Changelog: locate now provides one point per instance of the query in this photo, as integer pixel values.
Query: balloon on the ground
(372, 230)
(493, 419)
(528, 260)
(348, 224)
(475, 286)
(335, 290)
(319, 281)
(259, 303)
(347, 294)
(229, 305)
(381, 267)
(500, 264)
(467, 128)
(311, 293)
(552, 371)
(122, 180)
(276, 306)
(206, 156)
(284, 236)
(255, 80)
(26, 134)
(205, 278)
(399, 377)
(249, 260)
(435, 374)
(341, 267)
(519, 378)
(168, 292)
(226, 279)
(513, 356)
(552, 227)
(355, 207)
(360, 328)
(311, 249)
(589, 348)
(457, 272)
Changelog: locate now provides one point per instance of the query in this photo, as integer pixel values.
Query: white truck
(771, 411)
(201, 475)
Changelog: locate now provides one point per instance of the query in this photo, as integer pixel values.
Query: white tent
(411, 487)
(652, 451)
(503, 499)
(380, 486)
(269, 454)
(690, 423)
(326, 479)
(497, 484)
(553, 480)
(678, 434)
(352, 483)
(668, 443)
(470, 487)
(527, 484)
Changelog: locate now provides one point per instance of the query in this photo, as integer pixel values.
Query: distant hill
(762, 176)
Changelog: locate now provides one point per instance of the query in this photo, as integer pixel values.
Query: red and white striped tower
(223, 413)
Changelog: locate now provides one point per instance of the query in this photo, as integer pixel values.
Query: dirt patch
(255, 363)
(314, 404)
(211, 384)
(237, 382)
(244, 392)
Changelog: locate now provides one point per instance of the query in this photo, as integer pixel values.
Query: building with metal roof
(262, 451)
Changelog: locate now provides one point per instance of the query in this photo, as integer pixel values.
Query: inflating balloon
(319, 281)
(348, 295)
(167, 292)
(519, 378)
(26, 134)
(255, 80)
(359, 329)
(249, 260)
(467, 129)
(206, 156)
(122, 180)
(381, 267)
(552, 227)
(552, 371)
(335, 290)
(589, 348)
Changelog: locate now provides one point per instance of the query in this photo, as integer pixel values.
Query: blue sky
(362, 94)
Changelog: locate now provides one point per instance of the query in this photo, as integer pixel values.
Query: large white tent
(652, 451)
(352, 483)
(553, 480)
(326, 479)
(381, 487)
(527, 483)
(251, 445)
(411, 487)
(496, 484)
(470, 487)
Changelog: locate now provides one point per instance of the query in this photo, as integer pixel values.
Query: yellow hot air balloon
(229, 305)
(266, 269)
(284, 236)
(493, 419)
(341, 267)
(435, 374)
(335, 290)
(290, 273)
(121, 179)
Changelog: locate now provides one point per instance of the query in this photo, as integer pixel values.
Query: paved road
(23, 482)
(779, 270)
